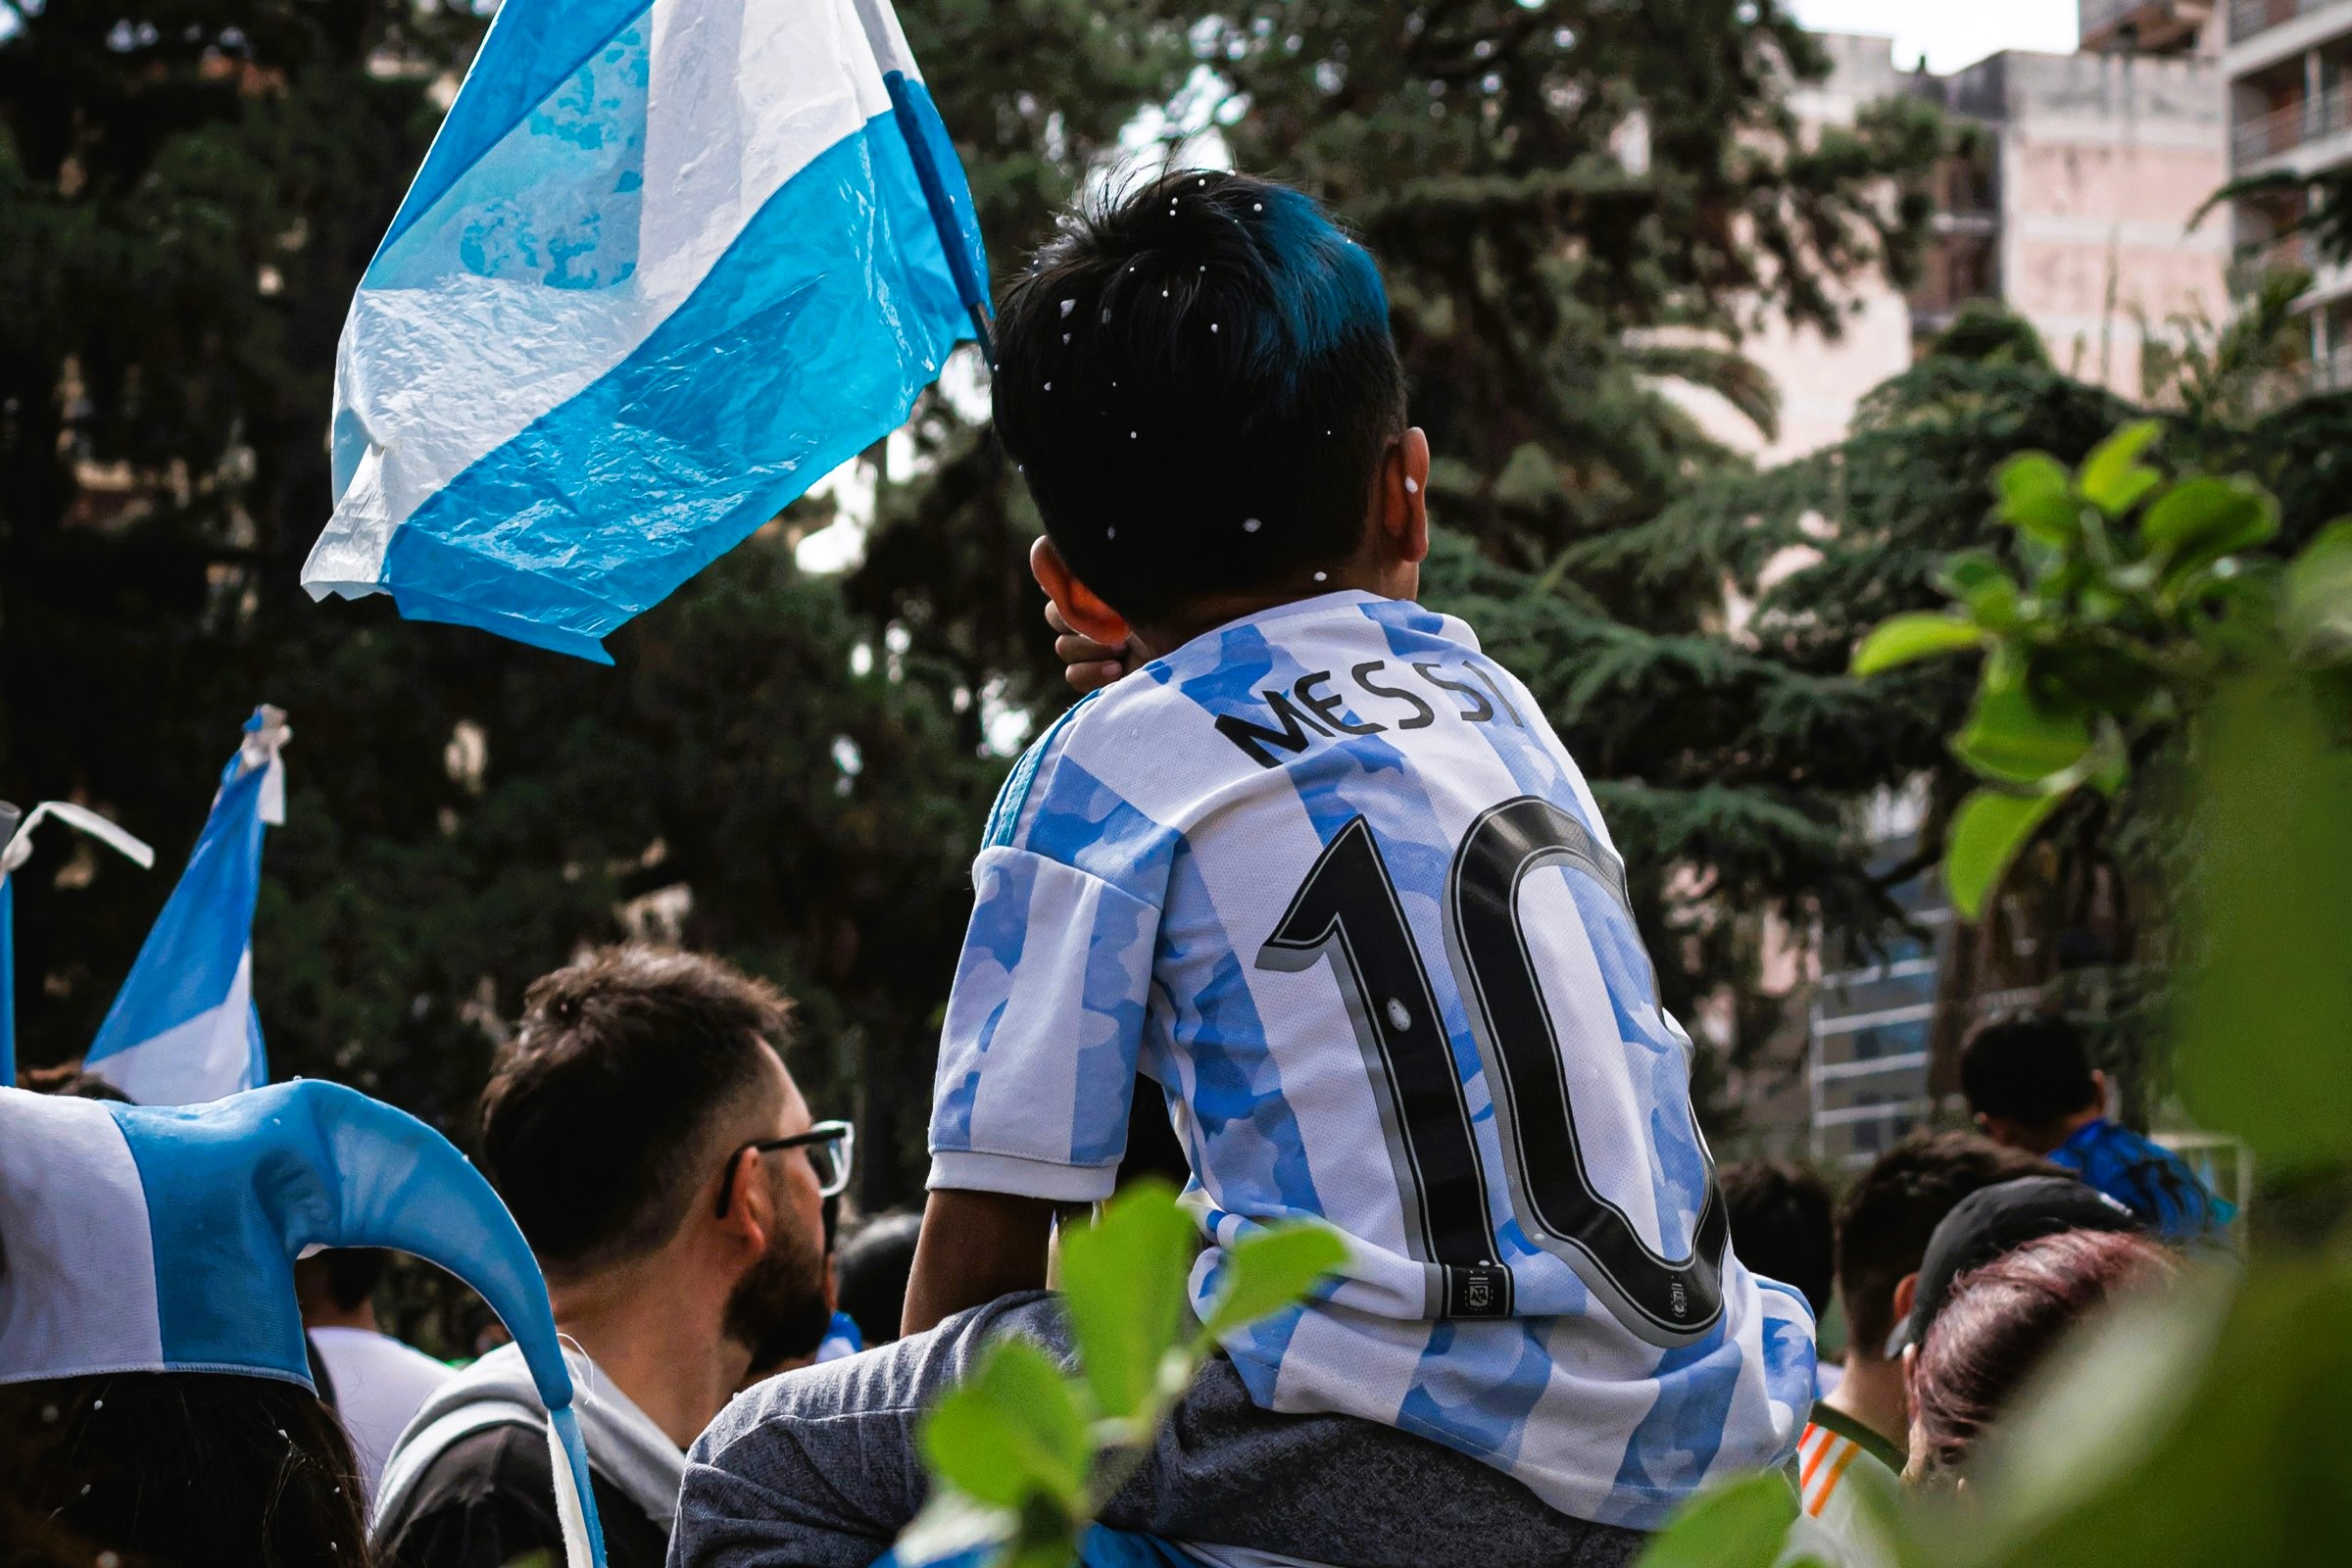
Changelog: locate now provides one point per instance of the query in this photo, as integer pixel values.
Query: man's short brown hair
(598, 1112)
(1884, 1221)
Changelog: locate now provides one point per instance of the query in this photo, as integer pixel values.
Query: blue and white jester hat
(155, 1239)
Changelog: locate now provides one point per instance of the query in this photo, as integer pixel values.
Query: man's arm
(974, 1247)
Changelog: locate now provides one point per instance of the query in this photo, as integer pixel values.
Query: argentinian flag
(182, 1029)
(663, 268)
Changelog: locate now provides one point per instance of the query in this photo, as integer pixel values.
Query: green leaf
(1011, 1431)
(1978, 580)
(1988, 831)
(1269, 1270)
(1123, 1281)
(1900, 639)
(2013, 737)
(2029, 476)
(2113, 476)
(1744, 1525)
(2202, 520)
(2035, 500)
(2266, 1042)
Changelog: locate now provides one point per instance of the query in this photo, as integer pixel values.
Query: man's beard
(779, 1308)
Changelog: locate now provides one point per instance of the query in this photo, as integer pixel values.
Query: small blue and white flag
(665, 267)
(182, 1029)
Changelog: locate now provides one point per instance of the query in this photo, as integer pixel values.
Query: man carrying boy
(1322, 872)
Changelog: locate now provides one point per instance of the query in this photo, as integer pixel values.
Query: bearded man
(645, 1132)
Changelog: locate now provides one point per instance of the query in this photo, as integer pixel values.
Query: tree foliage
(1573, 200)
(187, 196)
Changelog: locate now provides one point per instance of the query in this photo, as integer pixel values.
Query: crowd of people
(1303, 858)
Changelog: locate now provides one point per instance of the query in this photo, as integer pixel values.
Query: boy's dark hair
(1779, 1218)
(597, 1113)
(1199, 381)
(1884, 1222)
(871, 1273)
(2029, 1068)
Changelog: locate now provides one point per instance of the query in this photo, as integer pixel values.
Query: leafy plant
(2138, 599)
(1027, 1455)
(2203, 1426)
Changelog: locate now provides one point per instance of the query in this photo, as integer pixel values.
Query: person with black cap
(1990, 1222)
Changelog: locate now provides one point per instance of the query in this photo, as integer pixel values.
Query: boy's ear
(1079, 604)
(1404, 501)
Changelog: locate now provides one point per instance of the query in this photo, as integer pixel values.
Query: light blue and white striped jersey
(1328, 877)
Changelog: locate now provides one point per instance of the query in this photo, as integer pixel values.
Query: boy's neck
(1399, 581)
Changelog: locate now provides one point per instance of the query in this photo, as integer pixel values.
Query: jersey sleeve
(1045, 1025)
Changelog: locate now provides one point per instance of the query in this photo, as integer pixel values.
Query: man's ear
(1402, 501)
(1906, 1295)
(1079, 604)
(2102, 1091)
(751, 1205)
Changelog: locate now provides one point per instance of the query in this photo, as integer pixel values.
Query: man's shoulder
(489, 1498)
(508, 1460)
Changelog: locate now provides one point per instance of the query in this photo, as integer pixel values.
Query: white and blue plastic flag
(15, 848)
(182, 1028)
(665, 266)
(147, 1238)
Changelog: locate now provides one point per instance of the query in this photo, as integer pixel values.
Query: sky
(1951, 33)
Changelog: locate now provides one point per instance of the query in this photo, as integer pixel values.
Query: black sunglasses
(830, 1143)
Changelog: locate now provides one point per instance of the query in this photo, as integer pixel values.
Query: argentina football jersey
(1328, 877)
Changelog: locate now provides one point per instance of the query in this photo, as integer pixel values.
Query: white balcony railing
(2289, 126)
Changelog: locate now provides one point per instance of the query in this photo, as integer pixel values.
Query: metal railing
(2247, 18)
(2285, 128)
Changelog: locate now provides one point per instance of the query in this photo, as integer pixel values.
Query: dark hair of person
(1198, 379)
(598, 1113)
(70, 1081)
(2029, 1068)
(1779, 1218)
(186, 1469)
(2002, 1323)
(1886, 1218)
(871, 1270)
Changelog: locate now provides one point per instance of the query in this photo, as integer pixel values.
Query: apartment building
(2078, 206)
(2073, 207)
(2285, 64)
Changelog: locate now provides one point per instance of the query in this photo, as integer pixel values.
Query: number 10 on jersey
(1347, 911)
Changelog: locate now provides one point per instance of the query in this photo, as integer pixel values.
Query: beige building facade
(2077, 206)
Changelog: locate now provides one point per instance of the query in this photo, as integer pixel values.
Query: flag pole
(16, 844)
(917, 126)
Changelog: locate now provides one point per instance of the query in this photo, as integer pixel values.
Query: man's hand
(974, 1247)
(1090, 667)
